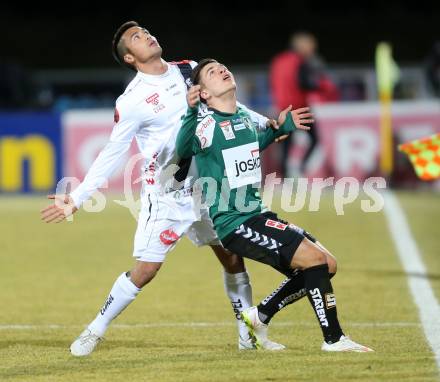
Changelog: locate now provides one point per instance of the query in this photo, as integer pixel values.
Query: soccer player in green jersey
(227, 147)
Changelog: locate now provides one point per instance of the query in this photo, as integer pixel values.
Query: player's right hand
(193, 96)
(62, 207)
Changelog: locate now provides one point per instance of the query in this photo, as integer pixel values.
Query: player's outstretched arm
(62, 207)
(301, 117)
(111, 156)
(297, 116)
(104, 165)
(288, 121)
(266, 123)
(187, 144)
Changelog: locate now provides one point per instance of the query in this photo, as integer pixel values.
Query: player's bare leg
(143, 272)
(239, 291)
(125, 289)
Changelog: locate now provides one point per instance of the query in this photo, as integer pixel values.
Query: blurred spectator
(433, 69)
(297, 78)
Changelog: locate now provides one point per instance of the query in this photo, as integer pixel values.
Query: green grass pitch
(181, 326)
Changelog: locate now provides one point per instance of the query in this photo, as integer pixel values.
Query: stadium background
(58, 83)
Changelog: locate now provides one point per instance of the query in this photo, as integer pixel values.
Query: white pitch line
(412, 263)
(202, 325)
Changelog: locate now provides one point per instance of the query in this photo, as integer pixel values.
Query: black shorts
(267, 239)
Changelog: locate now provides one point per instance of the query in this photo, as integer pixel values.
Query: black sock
(321, 297)
(291, 290)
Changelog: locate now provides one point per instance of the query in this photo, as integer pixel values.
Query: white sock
(122, 294)
(239, 291)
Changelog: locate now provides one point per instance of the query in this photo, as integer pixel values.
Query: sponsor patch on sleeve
(205, 131)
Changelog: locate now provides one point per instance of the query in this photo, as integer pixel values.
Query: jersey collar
(155, 77)
(222, 113)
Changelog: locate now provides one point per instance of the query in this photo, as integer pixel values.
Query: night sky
(75, 35)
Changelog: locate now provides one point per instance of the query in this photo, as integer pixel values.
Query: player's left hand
(62, 207)
(301, 117)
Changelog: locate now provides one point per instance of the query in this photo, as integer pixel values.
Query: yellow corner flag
(424, 154)
(387, 75)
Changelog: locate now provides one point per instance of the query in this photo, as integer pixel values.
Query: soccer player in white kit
(150, 110)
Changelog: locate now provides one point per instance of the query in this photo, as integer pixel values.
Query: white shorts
(164, 219)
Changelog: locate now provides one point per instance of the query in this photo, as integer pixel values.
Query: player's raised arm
(102, 168)
(193, 96)
(288, 121)
(187, 143)
(62, 207)
(263, 122)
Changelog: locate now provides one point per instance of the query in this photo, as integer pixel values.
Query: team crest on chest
(226, 128)
(154, 101)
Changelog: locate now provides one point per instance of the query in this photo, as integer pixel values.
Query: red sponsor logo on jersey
(168, 237)
(225, 124)
(202, 126)
(154, 99)
(275, 224)
(150, 181)
(116, 116)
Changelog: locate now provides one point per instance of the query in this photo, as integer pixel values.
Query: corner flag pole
(387, 74)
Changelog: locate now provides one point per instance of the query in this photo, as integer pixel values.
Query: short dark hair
(118, 49)
(195, 75)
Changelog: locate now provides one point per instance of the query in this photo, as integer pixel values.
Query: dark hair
(119, 49)
(195, 75)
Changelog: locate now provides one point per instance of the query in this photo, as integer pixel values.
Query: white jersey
(149, 110)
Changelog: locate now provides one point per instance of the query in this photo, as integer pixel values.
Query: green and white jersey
(227, 150)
